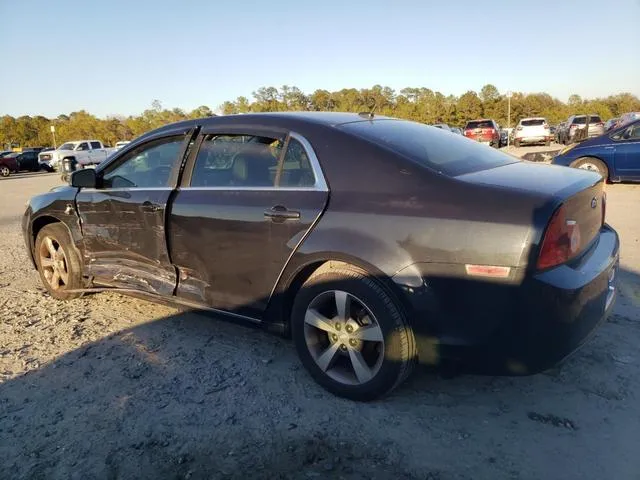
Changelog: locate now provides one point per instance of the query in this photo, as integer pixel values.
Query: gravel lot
(113, 387)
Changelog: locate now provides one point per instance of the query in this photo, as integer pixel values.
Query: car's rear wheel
(58, 262)
(350, 334)
(593, 164)
(4, 171)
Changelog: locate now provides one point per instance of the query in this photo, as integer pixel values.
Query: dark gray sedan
(376, 243)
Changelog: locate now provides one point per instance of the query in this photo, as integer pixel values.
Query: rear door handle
(281, 213)
(150, 207)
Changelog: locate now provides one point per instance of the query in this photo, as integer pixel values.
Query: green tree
(469, 107)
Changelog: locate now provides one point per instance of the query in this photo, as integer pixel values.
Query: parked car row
(14, 162)
(82, 152)
(232, 215)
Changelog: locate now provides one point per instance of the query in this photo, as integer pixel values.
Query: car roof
(324, 118)
(271, 119)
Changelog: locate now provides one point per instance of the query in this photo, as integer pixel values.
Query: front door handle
(281, 213)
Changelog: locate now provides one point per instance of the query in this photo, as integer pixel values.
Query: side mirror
(85, 178)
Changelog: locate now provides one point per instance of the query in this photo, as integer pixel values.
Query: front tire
(350, 334)
(58, 262)
(592, 164)
(4, 171)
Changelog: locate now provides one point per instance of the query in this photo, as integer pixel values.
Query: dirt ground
(113, 387)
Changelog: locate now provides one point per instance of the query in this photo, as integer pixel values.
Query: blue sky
(115, 57)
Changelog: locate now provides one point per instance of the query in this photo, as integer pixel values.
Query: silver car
(575, 123)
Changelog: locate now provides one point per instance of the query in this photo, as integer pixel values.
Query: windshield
(66, 146)
(533, 122)
(445, 153)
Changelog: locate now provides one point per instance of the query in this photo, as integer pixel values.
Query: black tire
(60, 237)
(599, 165)
(4, 171)
(400, 353)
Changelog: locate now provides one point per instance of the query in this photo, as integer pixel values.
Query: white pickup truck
(85, 152)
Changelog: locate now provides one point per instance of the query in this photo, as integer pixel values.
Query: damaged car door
(123, 219)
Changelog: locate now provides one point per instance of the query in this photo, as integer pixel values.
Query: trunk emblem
(594, 202)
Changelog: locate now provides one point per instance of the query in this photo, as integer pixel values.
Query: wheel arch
(281, 301)
(38, 224)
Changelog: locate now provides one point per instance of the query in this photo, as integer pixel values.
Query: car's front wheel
(4, 171)
(350, 334)
(592, 164)
(58, 262)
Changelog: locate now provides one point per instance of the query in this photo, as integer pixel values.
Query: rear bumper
(523, 329)
(536, 139)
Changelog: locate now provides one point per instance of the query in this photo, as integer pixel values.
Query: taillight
(561, 241)
(468, 132)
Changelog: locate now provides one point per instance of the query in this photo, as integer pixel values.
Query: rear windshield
(480, 124)
(533, 123)
(583, 120)
(431, 147)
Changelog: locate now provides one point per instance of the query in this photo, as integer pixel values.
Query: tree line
(418, 104)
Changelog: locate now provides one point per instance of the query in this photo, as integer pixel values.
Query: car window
(634, 132)
(449, 154)
(96, 145)
(480, 124)
(533, 123)
(236, 161)
(148, 166)
(296, 168)
(83, 146)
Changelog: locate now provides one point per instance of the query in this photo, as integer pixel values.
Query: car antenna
(369, 115)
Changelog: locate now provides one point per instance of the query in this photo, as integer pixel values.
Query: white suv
(532, 130)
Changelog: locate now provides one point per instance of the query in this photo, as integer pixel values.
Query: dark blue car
(615, 155)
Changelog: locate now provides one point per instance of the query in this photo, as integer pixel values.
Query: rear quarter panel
(386, 212)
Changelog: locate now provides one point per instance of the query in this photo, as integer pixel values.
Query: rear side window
(533, 123)
(296, 168)
(433, 148)
(95, 145)
(480, 124)
(237, 161)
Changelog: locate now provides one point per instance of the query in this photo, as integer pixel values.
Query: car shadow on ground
(190, 396)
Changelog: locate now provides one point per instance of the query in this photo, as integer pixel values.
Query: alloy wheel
(590, 166)
(4, 171)
(343, 337)
(53, 263)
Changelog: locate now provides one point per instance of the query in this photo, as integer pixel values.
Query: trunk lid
(580, 192)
